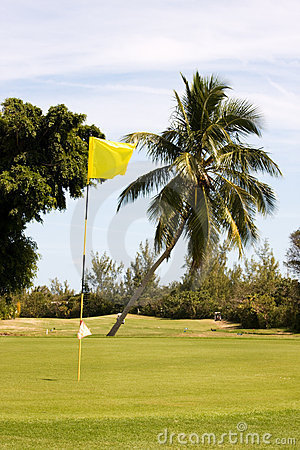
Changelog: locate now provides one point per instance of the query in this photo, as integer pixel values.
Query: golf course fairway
(150, 392)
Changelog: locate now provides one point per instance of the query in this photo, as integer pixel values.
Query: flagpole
(83, 275)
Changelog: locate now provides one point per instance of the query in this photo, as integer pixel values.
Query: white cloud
(45, 38)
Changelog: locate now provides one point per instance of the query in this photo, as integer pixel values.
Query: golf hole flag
(83, 331)
(107, 158)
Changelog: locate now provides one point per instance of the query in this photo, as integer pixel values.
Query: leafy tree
(36, 303)
(262, 273)
(7, 308)
(105, 277)
(18, 261)
(213, 276)
(42, 157)
(208, 183)
(293, 253)
(59, 289)
(138, 269)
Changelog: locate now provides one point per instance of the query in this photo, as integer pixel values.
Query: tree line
(255, 294)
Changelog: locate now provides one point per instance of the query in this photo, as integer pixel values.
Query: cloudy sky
(119, 62)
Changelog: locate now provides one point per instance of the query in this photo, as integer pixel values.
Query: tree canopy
(293, 253)
(42, 158)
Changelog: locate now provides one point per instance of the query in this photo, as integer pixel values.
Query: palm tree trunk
(138, 292)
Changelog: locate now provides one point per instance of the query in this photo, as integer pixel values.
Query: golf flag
(83, 331)
(107, 158)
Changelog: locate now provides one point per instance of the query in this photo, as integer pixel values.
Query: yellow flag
(107, 158)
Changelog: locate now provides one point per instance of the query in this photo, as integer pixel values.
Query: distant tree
(293, 253)
(36, 303)
(213, 275)
(42, 157)
(262, 272)
(138, 269)
(59, 289)
(105, 277)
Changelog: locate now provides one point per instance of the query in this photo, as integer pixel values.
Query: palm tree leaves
(240, 116)
(161, 148)
(208, 184)
(201, 100)
(201, 227)
(168, 209)
(262, 195)
(186, 164)
(144, 184)
(236, 209)
(239, 161)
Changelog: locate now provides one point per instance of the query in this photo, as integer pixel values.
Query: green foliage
(104, 278)
(134, 275)
(213, 275)
(18, 262)
(110, 282)
(293, 253)
(108, 289)
(95, 305)
(7, 308)
(58, 301)
(36, 303)
(183, 305)
(258, 311)
(257, 296)
(42, 157)
(60, 289)
(262, 273)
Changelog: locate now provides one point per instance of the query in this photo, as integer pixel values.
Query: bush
(182, 305)
(7, 308)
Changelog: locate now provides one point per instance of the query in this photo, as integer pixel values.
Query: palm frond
(186, 165)
(236, 210)
(182, 116)
(200, 228)
(143, 185)
(166, 209)
(240, 116)
(262, 194)
(161, 148)
(247, 159)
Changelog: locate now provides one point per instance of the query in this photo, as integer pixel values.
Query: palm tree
(207, 182)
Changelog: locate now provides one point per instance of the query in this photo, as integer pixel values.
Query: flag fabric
(107, 158)
(83, 331)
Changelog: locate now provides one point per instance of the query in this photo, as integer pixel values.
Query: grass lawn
(152, 378)
(136, 326)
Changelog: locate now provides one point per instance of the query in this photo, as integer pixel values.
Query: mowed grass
(135, 326)
(134, 388)
(138, 326)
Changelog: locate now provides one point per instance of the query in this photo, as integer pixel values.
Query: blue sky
(119, 62)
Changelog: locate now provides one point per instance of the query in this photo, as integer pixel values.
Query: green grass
(133, 388)
(136, 326)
